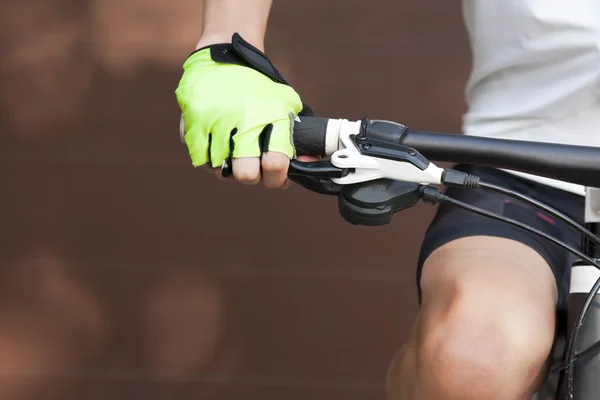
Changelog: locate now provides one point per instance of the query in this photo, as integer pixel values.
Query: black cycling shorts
(452, 223)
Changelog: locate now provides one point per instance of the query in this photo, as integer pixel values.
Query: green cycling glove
(234, 103)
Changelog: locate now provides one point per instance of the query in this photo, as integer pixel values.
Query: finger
(274, 169)
(244, 158)
(246, 170)
(275, 162)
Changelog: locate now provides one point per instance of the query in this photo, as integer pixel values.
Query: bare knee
(468, 355)
(484, 331)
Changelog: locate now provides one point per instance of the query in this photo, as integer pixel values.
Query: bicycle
(377, 168)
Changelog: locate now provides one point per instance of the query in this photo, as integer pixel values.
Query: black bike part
(455, 178)
(576, 164)
(310, 134)
(385, 131)
(317, 185)
(370, 147)
(322, 169)
(590, 246)
(374, 203)
(586, 368)
(585, 354)
(578, 328)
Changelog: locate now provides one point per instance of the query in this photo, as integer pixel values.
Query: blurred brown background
(126, 273)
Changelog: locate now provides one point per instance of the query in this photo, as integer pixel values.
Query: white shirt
(536, 72)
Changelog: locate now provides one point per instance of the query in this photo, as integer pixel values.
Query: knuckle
(246, 175)
(275, 164)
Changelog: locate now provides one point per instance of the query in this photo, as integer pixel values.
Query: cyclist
(490, 294)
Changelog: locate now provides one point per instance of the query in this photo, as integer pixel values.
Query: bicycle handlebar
(575, 164)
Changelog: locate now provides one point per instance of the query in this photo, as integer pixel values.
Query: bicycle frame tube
(586, 377)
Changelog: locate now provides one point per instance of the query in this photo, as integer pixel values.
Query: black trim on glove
(241, 52)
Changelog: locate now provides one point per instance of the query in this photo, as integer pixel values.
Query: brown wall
(127, 274)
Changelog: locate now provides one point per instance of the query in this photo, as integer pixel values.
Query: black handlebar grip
(310, 136)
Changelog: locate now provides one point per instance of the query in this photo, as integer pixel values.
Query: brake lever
(321, 169)
(317, 176)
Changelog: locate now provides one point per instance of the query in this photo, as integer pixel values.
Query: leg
(486, 325)
(489, 294)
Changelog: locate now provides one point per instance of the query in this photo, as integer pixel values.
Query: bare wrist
(207, 40)
(216, 38)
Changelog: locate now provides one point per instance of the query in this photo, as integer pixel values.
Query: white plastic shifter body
(344, 154)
